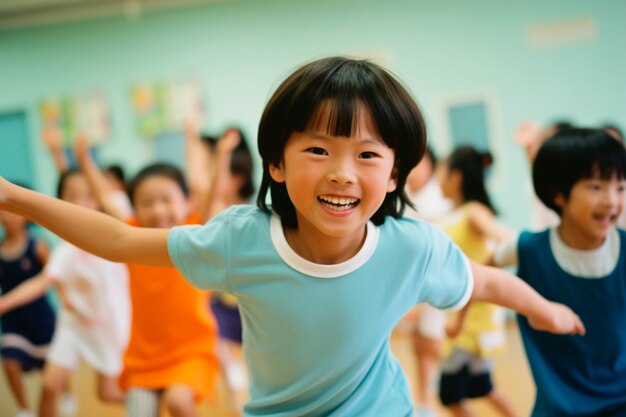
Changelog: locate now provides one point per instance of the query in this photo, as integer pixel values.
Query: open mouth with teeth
(339, 203)
(612, 218)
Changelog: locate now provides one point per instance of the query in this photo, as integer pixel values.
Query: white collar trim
(297, 262)
(592, 264)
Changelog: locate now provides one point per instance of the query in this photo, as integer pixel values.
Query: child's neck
(576, 239)
(13, 242)
(324, 250)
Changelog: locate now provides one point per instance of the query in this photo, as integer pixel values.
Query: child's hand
(228, 142)
(51, 138)
(527, 134)
(559, 319)
(454, 327)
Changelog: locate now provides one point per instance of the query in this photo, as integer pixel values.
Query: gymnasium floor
(512, 375)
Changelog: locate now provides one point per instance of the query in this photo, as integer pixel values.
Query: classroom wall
(241, 50)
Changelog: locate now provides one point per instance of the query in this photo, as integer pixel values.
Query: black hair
(471, 164)
(573, 155)
(63, 179)
(241, 164)
(614, 130)
(210, 140)
(338, 87)
(159, 169)
(561, 125)
(117, 171)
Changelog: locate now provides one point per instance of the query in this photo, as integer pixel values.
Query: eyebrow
(366, 140)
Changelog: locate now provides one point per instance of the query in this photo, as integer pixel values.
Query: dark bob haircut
(159, 169)
(573, 155)
(65, 175)
(335, 89)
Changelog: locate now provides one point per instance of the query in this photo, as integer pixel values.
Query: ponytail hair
(472, 164)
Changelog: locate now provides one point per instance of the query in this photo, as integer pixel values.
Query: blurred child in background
(426, 322)
(27, 330)
(171, 357)
(93, 322)
(478, 332)
(580, 174)
(227, 172)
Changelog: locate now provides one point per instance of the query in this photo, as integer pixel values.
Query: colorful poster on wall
(68, 116)
(164, 107)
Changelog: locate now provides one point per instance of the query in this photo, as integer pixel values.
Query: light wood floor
(511, 375)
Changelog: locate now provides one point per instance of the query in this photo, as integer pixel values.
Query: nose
(341, 171)
(613, 196)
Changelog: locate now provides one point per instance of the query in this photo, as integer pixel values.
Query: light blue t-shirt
(316, 337)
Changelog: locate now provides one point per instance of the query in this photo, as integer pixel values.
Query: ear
(392, 184)
(277, 173)
(456, 178)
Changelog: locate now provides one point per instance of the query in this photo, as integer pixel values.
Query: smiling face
(76, 190)
(591, 209)
(336, 183)
(160, 202)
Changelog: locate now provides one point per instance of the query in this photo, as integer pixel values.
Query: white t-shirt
(98, 290)
(429, 202)
(596, 263)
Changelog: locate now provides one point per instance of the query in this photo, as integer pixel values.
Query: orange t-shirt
(173, 334)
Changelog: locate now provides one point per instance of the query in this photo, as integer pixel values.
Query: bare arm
(98, 184)
(503, 288)
(52, 140)
(26, 292)
(484, 221)
(220, 170)
(529, 137)
(199, 168)
(42, 252)
(90, 230)
(455, 326)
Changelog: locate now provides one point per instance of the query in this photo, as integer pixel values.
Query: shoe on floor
(25, 413)
(68, 407)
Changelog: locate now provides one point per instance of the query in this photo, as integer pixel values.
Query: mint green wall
(240, 51)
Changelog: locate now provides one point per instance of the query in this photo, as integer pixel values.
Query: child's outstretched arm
(26, 292)
(88, 229)
(503, 288)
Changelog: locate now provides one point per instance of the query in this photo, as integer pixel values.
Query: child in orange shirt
(171, 357)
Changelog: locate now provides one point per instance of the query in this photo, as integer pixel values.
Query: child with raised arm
(229, 165)
(171, 357)
(26, 331)
(578, 173)
(323, 274)
(93, 322)
(427, 323)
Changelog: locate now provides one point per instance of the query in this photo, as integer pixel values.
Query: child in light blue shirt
(324, 272)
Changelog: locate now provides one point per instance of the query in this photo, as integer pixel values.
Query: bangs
(601, 157)
(606, 168)
(340, 117)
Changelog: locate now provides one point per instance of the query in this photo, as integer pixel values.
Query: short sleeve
(200, 253)
(449, 279)
(505, 253)
(60, 264)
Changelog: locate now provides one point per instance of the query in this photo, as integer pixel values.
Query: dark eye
(317, 151)
(367, 155)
